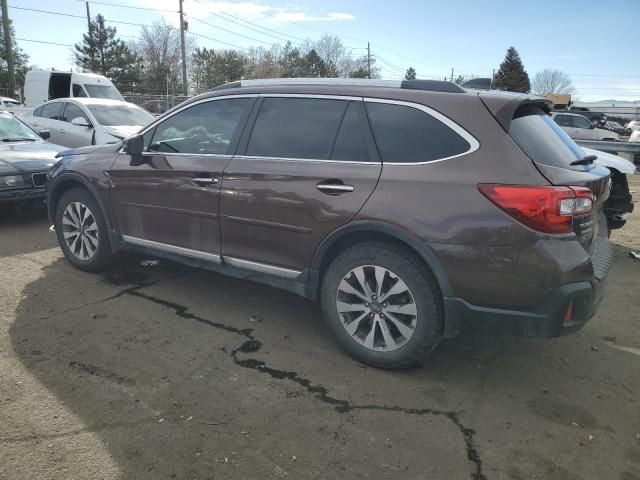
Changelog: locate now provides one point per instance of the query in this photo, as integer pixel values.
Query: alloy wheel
(80, 230)
(376, 308)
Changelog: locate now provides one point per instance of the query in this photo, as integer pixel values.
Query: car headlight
(9, 181)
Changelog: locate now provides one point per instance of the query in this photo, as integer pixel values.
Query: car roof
(92, 101)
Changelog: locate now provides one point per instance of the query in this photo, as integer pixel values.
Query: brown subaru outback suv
(408, 210)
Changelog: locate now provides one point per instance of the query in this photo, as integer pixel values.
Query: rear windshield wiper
(18, 139)
(585, 161)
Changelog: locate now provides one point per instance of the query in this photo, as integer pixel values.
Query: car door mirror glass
(134, 146)
(80, 122)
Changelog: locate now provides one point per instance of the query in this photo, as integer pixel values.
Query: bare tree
(552, 81)
(159, 47)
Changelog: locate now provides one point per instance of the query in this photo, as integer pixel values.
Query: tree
(159, 47)
(411, 74)
(20, 60)
(210, 69)
(102, 52)
(460, 79)
(552, 81)
(511, 75)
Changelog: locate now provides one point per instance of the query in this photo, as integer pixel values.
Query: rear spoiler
(503, 105)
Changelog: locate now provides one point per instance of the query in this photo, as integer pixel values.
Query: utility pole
(368, 61)
(452, 74)
(182, 47)
(88, 20)
(8, 47)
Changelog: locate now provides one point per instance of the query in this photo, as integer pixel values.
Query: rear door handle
(334, 188)
(204, 181)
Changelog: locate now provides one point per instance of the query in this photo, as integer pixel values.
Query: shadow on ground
(187, 374)
(25, 232)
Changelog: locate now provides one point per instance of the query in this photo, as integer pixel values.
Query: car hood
(611, 161)
(23, 157)
(123, 131)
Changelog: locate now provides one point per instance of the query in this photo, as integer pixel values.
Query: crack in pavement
(252, 345)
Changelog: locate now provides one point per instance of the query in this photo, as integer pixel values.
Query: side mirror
(45, 134)
(80, 122)
(134, 146)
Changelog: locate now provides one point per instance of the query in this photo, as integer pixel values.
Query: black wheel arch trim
(76, 177)
(422, 248)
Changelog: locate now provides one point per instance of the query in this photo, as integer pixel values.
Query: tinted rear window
(296, 128)
(350, 143)
(408, 135)
(542, 139)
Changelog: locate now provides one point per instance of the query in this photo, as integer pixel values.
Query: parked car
(633, 125)
(11, 105)
(580, 128)
(43, 85)
(24, 160)
(88, 121)
(619, 205)
(616, 127)
(407, 209)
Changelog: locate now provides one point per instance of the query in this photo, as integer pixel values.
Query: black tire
(423, 287)
(100, 260)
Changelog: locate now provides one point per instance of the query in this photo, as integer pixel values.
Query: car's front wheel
(383, 305)
(82, 231)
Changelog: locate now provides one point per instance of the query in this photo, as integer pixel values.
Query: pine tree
(512, 76)
(411, 74)
(102, 52)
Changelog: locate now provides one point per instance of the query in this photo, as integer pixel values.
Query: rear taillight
(547, 209)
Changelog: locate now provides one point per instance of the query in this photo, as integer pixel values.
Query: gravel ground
(169, 372)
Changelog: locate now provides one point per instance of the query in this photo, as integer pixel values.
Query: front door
(168, 199)
(306, 168)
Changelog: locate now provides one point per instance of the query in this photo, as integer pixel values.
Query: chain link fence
(155, 104)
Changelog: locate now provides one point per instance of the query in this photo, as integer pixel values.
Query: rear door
(307, 167)
(168, 199)
(51, 119)
(583, 128)
(76, 135)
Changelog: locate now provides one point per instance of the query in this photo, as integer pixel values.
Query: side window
(71, 111)
(581, 122)
(78, 91)
(407, 135)
(563, 120)
(350, 143)
(296, 128)
(52, 111)
(37, 112)
(206, 128)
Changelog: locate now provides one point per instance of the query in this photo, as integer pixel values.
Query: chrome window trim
(470, 139)
(199, 102)
(262, 267)
(314, 160)
(187, 252)
(312, 96)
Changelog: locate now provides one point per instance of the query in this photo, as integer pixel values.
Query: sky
(594, 41)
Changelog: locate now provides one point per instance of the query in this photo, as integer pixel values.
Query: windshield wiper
(585, 161)
(18, 139)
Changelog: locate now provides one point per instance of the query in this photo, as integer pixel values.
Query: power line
(80, 16)
(216, 40)
(130, 6)
(228, 31)
(43, 41)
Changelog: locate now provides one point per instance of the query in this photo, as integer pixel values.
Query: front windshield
(12, 129)
(103, 91)
(118, 115)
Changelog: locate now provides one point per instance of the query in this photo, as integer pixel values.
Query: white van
(44, 85)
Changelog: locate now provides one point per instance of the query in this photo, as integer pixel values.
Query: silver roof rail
(356, 82)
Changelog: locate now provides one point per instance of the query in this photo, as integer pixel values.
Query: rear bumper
(566, 309)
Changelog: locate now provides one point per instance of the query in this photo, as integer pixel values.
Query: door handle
(335, 187)
(204, 181)
(61, 130)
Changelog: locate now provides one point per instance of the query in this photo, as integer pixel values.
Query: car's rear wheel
(383, 305)
(82, 231)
